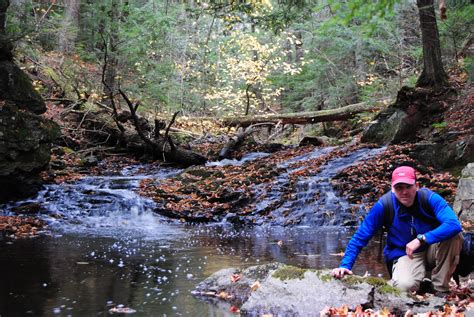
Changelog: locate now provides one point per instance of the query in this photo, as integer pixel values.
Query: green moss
(67, 150)
(379, 283)
(326, 277)
(289, 273)
(353, 280)
(375, 281)
(387, 289)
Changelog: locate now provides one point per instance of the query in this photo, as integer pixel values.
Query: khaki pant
(440, 258)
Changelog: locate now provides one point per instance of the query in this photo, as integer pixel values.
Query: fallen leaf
(223, 295)
(235, 277)
(234, 309)
(255, 286)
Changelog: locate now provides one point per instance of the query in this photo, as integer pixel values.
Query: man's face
(405, 193)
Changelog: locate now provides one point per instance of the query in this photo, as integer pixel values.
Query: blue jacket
(404, 228)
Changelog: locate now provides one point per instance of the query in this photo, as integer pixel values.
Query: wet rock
(290, 291)
(309, 140)
(25, 143)
(271, 147)
(90, 161)
(29, 208)
(464, 200)
(237, 293)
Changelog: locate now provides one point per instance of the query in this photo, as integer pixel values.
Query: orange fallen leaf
(255, 286)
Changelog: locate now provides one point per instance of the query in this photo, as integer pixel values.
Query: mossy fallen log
(309, 117)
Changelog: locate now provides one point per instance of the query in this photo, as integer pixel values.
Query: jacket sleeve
(449, 223)
(372, 222)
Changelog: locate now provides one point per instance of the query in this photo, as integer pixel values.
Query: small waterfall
(101, 204)
(247, 157)
(314, 201)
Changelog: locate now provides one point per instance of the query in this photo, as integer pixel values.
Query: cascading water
(102, 205)
(315, 203)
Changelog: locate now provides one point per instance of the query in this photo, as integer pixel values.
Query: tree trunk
(69, 27)
(343, 113)
(5, 45)
(234, 142)
(3, 15)
(433, 72)
(299, 52)
(112, 61)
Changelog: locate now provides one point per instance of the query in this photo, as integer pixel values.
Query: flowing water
(107, 247)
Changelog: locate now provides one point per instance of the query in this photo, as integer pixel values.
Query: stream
(106, 248)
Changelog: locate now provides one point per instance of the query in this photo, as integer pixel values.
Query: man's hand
(340, 272)
(412, 246)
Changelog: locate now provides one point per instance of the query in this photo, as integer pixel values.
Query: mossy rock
(289, 273)
(16, 87)
(379, 283)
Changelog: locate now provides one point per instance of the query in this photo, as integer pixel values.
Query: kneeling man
(424, 235)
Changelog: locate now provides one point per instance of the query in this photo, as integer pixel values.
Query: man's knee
(406, 284)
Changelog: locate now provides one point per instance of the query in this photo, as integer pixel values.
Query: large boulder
(445, 153)
(464, 200)
(413, 110)
(25, 143)
(281, 290)
(386, 127)
(16, 87)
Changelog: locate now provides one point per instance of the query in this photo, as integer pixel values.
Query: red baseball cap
(403, 174)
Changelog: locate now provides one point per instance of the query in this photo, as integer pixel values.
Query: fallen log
(236, 140)
(233, 142)
(309, 117)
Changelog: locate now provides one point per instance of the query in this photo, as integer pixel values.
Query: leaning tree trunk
(433, 72)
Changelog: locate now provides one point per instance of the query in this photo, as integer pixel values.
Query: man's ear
(393, 189)
(417, 185)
